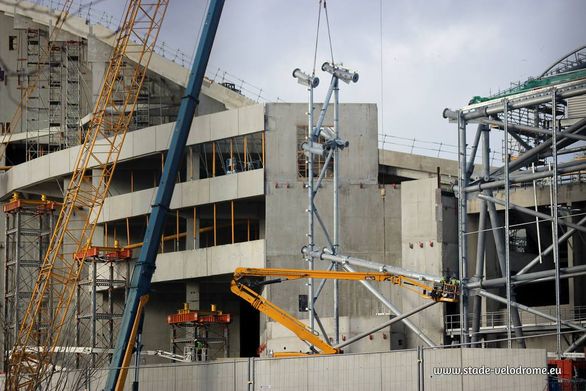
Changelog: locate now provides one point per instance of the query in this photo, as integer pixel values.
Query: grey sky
(435, 54)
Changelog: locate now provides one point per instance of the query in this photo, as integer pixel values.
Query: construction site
(165, 228)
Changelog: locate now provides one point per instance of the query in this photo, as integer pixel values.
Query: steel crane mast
(145, 266)
(31, 361)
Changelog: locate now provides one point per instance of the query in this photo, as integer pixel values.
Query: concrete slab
(251, 119)
(211, 261)
(224, 124)
(146, 141)
(187, 194)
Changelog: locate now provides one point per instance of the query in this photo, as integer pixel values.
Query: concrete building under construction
(241, 201)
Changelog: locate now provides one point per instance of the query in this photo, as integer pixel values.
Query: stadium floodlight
(343, 74)
(313, 148)
(332, 141)
(328, 133)
(304, 79)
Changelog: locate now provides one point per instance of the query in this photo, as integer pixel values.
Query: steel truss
(536, 130)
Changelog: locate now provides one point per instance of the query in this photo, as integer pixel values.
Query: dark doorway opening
(249, 330)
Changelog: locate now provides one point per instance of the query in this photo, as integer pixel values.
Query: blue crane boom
(144, 268)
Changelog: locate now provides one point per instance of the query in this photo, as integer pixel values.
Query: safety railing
(437, 149)
(498, 319)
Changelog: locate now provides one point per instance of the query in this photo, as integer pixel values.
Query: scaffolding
(100, 298)
(62, 267)
(53, 109)
(36, 110)
(51, 93)
(199, 335)
(28, 225)
(536, 132)
(56, 112)
(73, 93)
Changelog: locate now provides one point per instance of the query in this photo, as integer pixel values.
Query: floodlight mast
(310, 149)
(329, 146)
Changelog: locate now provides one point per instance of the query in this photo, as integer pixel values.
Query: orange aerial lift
(247, 283)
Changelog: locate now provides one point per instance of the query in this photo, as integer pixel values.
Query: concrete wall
(370, 219)
(375, 371)
(187, 194)
(429, 245)
(9, 94)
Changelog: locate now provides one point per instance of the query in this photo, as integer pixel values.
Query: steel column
(480, 245)
(554, 224)
(462, 227)
(336, 212)
(500, 249)
(310, 207)
(507, 222)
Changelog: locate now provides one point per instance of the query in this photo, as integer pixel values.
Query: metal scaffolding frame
(97, 310)
(28, 224)
(199, 335)
(536, 131)
(70, 244)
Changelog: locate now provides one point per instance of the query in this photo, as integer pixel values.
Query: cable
(329, 33)
(316, 38)
(382, 88)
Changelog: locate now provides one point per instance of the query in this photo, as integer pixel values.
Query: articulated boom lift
(247, 283)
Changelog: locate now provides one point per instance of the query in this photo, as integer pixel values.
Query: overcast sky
(435, 53)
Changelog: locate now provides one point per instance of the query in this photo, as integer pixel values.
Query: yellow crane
(31, 364)
(33, 80)
(247, 283)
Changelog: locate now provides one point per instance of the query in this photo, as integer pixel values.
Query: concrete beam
(187, 194)
(142, 142)
(209, 261)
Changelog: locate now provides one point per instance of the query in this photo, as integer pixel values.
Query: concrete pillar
(261, 228)
(3, 154)
(191, 242)
(98, 55)
(192, 295)
(192, 161)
